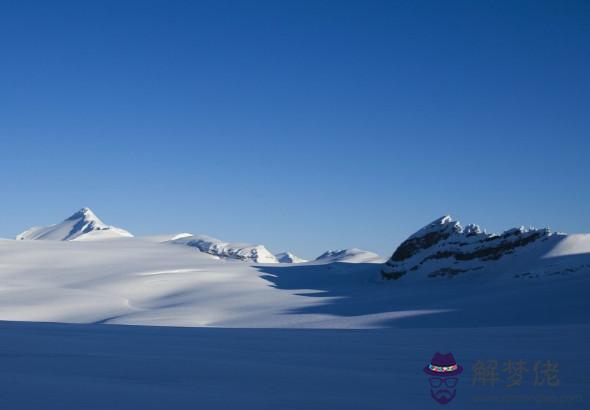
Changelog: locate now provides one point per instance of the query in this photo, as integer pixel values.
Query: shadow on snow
(356, 289)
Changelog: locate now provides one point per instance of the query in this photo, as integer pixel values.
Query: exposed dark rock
(410, 247)
(392, 275)
(450, 272)
(445, 241)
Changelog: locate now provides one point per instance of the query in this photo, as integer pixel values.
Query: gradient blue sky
(303, 125)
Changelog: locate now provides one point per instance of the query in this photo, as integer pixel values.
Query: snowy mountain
(353, 255)
(134, 281)
(81, 226)
(137, 281)
(444, 248)
(288, 257)
(242, 251)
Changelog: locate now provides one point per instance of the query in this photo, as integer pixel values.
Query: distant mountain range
(82, 270)
(84, 225)
(441, 249)
(217, 247)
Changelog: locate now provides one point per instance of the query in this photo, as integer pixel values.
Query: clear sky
(303, 125)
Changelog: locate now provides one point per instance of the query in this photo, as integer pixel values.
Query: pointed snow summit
(83, 225)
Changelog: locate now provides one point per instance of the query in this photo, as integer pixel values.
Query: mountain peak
(444, 248)
(288, 257)
(443, 220)
(82, 225)
(84, 213)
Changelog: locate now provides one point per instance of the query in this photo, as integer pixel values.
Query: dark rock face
(430, 235)
(409, 248)
(444, 249)
(331, 254)
(450, 272)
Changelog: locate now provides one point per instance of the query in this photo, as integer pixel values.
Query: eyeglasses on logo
(443, 370)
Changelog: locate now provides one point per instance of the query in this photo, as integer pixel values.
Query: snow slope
(281, 335)
(134, 281)
(83, 225)
(241, 251)
(164, 237)
(444, 249)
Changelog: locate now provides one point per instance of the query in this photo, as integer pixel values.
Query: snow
(353, 255)
(130, 367)
(571, 245)
(241, 251)
(443, 249)
(83, 225)
(131, 281)
(165, 237)
(227, 331)
(288, 257)
(134, 281)
(445, 223)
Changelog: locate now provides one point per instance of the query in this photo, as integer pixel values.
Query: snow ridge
(241, 251)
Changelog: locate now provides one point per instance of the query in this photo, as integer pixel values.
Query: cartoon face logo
(443, 370)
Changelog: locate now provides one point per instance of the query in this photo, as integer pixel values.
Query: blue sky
(300, 125)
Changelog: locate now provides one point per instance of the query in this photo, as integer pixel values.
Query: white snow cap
(439, 224)
(82, 225)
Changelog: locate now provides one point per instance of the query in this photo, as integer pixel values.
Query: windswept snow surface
(83, 225)
(275, 335)
(140, 282)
